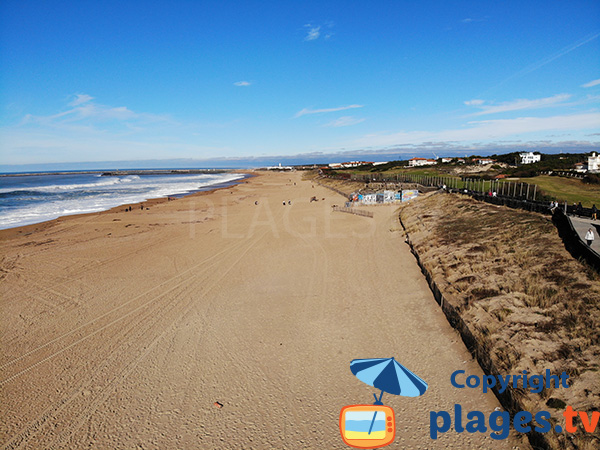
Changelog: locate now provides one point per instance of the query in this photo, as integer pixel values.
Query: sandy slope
(121, 330)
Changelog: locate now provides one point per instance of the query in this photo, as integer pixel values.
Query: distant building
(414, 162)
(446, 160)
(460, 160)
(349, 164)
(380, 163)
(280, 167)
(483, 161)
(593, 164)
(581, 167)
(530, 158)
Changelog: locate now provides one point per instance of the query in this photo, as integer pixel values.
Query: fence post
(534, 191)
(527, 195)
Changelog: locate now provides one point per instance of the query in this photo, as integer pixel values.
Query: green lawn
(570, 189)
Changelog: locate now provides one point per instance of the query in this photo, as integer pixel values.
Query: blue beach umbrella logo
(373, 426)
(387, 375)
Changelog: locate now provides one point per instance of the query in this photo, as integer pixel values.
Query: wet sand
(122, 329)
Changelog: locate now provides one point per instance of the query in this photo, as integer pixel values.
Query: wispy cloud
(486, 130)
(472, 20)
(242, 83)
(81, 99)
(591, 83)
(517, 105)
(85, 114)
(344, 121)
(547, 60)
(312, 33)
(306, 111)
(475, 102)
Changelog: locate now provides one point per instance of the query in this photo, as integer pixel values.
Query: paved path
(582, 225)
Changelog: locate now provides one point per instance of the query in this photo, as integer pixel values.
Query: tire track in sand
(54, 410)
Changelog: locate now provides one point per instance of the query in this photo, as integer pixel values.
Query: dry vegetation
(528, 303)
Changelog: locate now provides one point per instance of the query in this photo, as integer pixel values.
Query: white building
(484, 161)
(529, 158)
(446, 160)
(280, 167)
(414, 162)
(349, 164)
(593, 164)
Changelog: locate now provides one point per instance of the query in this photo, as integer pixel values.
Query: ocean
(30, 199)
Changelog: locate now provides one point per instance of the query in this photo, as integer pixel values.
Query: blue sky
(136, 80)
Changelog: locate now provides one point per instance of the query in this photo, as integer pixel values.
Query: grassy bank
(571, 190)
(529, 305)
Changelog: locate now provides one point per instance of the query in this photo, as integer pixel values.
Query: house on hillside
(446, 160)
(530, 158)
(593, 164)
(349, 164)
(483, 161)
(415, 162)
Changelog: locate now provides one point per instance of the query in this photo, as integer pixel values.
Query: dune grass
(529, 304)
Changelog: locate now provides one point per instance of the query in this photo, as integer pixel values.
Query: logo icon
(374, 426)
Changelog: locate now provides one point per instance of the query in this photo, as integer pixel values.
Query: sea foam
(27, 200)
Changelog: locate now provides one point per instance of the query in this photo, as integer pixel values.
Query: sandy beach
(120, 330)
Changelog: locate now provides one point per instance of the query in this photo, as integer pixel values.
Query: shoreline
(25, 230)
(120, 172)
(151, 201)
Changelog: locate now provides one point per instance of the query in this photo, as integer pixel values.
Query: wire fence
(512, 189)
(358, 212)
(514, 194)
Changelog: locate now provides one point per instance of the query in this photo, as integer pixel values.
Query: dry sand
(121, 330)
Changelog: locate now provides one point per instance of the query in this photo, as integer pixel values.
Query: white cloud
(471, 20)
(474, 102)
(85, 115)
(81, 99)
(486, 130)
(242, 83)
(591, 83)
(313, 32)
(344, 121)
(517, 105)
(306, 111)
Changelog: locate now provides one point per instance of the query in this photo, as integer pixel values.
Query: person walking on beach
(589, 237)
